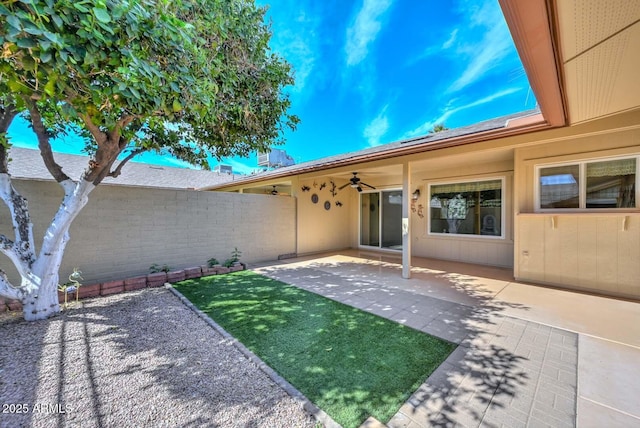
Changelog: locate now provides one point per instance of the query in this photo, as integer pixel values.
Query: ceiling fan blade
(369, 186)
(344, 185)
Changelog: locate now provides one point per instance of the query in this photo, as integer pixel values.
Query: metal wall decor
(306, 188)
(314, 198)
(338, 204)
(333, 188)
(327, 205)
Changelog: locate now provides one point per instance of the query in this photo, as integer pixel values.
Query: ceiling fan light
(359, 189)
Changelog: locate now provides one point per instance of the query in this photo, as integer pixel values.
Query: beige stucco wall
(123, 230)
(594, 250)
(320, 229)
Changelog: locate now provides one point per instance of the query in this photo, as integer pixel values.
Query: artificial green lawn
(348, 362)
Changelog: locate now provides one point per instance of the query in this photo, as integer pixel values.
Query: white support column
(406, 223)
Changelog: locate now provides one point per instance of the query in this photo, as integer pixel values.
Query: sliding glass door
(381, 219)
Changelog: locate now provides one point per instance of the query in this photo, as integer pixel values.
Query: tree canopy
(195, 78)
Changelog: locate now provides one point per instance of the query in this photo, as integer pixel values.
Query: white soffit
(600, 47)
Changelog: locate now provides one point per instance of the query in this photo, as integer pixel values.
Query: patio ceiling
(599, 45)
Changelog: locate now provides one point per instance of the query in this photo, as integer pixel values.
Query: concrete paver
(528, 356)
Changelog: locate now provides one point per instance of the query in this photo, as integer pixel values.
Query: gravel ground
(138, 359)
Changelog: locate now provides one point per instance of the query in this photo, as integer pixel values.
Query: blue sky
(370, 72)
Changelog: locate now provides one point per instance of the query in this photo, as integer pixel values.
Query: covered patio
(527, 355)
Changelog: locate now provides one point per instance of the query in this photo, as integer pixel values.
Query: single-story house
(552, 193)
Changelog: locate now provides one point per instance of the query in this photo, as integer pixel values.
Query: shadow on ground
(135, 359)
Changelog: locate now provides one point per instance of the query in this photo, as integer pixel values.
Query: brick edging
(117, 286)
(307, 405)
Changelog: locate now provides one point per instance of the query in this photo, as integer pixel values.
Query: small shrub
(156, 268)
(235, 255)
(212, 262)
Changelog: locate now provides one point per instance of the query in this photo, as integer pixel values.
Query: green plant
(212, 262)
(156, 268)
(228, 263)
(322, 347)
(235, 255)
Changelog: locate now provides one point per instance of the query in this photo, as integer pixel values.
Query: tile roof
(28, 164)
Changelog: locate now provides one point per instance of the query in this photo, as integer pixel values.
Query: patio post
(406, 224)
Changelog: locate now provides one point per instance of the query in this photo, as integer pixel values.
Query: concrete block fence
(130, 284)
(124, 230)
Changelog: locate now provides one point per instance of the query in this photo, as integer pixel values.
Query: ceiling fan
(355, 183)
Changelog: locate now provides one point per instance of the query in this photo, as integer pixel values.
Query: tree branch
(116, 172)
(8, 290)
(105, 156)
(44, 145)
(95, 131)
(8, 113)
(20, 217)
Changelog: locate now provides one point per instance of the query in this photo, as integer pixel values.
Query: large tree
(192, 78)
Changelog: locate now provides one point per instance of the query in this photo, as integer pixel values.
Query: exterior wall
(320, 229)
(468, 249)
(123, 230)
(595, 250)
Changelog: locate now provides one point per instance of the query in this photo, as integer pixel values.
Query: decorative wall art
(327, 205)
(333, 188)
(338, 204)
(314, 198)
(306, 188)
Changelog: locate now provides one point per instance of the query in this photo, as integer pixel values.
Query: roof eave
(531, 26)
(513, 127)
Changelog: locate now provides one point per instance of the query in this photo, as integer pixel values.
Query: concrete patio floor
(528, 355)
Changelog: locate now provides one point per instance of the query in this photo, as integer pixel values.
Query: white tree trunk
(38, 291)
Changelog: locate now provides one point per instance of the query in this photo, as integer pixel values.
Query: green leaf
(176, 106)
(14, 22)
(50, 87)
(102, 15)
(53, 37)
(26, 43)
(81, 8)
(45, 57)
(57, 21)
(33, 30)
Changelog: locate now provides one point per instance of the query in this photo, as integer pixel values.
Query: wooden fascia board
(531, 125)
(531, 28)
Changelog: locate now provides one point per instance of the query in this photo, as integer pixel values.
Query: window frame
(503, 208)
(582, 190)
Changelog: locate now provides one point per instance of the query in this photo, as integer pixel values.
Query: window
(590, 184)
(467, 208)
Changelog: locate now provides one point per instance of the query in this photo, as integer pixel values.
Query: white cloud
(448, 112)
(295, 37)
(494, 46)
(377, 128)
(450, 40)
(365, 29)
